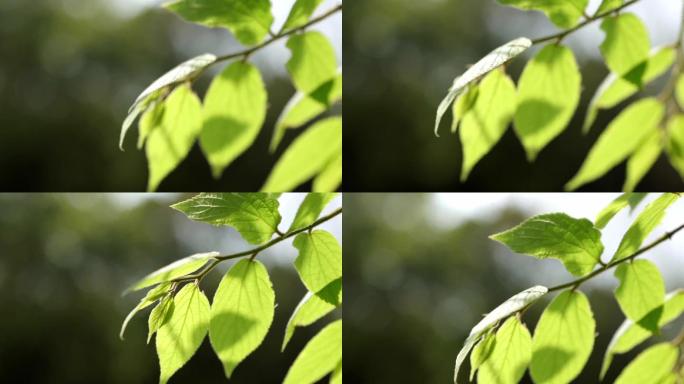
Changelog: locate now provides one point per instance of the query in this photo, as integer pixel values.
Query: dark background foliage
(419, 285)
(65, 261)
(403, 55)
(69, 71)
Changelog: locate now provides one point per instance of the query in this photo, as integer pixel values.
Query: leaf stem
(562, 34)
(578, 282)
(280, 35)
(254, 251)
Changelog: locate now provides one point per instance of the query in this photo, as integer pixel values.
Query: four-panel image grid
(181, 186)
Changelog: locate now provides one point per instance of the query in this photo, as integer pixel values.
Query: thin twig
(578, 282)
(274, 38)
(254, 251)
(560, 35)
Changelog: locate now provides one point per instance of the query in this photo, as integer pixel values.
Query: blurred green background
(71, 68)
(422, 272)
(67, 258)
(402, 56)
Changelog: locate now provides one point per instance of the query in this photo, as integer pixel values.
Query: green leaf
(319, 357)
(184, 72)
(675, 143)
(313, 61)
(644, 224)
(622, 137)
(563, 339)
(310, 209)
(616, 89)
(483, 125)
(626, 44)
(151, 119)
(234, 111)
(493, 60)
(248, 20)
(514, 304)
(300, 13)
(170, 142)
(643, 160)
(679, 90)
(615, 206)
(159, 316)
(336, 376)
(575, 242)
(150, 298)
(510, 356)
(640, 292)
(303, 107)
(320, 259)
(608, 5)
(651, 366)
(481, 352)
(182, 334)
(174, 270)
(312, 307)
(242, 313)
(631, 334)
(563, 13)
(254, 215)
(464, 103)
(306, 156)
(330, 177)
(548, 94)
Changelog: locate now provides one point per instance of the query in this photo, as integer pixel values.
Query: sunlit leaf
(171, 141)
(320, 259)
(312, 307)
(234, 112)
(330, 177)
(310, 209)
(319, 357)
(510, 355)
(303, 107)
(608, 5)
(640, 292)
(563, 13)
(464, 103)
(675, 143)
(620, 139)
(313, 61)
(306, 156)
(615, 206)
(182, 334)
(563, 339)
(643, 160)
(514, 304)
(679, 90)
(254, 215)
(651, 366)
(616, 89)
(241, 313)
(548, 94)
(626, 44)
(483, 125)
(481, 352)
(493, 60)
(174, 270)
(575, 242)
(159, 316)
(300, 13)
(644, 224)
(184, 72)
(631, 334)
(249, 21)
(152, 296)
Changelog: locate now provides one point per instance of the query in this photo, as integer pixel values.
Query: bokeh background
(402, 56)
(67, 258)
(71, 68)
(422, 272)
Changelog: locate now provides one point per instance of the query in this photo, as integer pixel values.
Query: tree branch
(254, 251)
(576, 283)
(247, 52)
(560, 35)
